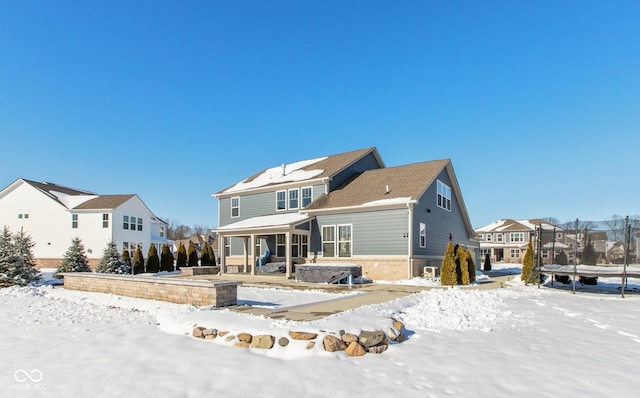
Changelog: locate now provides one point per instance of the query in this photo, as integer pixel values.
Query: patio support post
(252, 251)
(222, 253)
(245, 241)
(287, 257)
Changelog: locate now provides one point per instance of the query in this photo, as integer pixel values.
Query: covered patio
(285, 227)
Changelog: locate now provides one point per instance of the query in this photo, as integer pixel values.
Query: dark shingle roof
(104, 202)
(408, 181)
(330, 165)
(47, 187)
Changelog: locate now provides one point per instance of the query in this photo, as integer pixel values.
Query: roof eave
(271, 187)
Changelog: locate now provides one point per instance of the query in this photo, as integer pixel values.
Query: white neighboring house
(53, 215)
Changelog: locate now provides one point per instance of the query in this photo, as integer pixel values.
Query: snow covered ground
(517, 341)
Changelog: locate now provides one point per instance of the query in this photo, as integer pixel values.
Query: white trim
(423, 233)
(322, 241)
(350, 241)
(297, 198)
(310, 188)
(445, 203)
(360, 208)
(284, 191)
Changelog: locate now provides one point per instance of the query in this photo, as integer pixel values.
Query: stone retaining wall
(201, 293)
(202, 270)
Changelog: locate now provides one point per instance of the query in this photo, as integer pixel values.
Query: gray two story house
(344, 208)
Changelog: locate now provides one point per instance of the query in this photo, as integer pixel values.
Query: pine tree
(462, 268)
(17, 265)
(561, 258)
(448, 268)
(126, 257)
(153, 261)
(74, 260)
(529, 274)
(205, 254)
(192, 255)
(111, 263)
(138, 261)
(166, 259)
(182, 256)
(471, 265)
(589, 256)
(487, 262)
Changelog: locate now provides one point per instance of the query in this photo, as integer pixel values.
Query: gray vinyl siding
(368, 162)
(439, 222)
(373, 232)
(259, 204)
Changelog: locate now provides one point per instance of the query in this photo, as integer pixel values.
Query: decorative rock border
(373, 342)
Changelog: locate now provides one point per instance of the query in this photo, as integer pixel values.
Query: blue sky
(536, 103)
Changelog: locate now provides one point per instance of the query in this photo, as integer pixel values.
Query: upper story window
(23, 215)
(105, 220)
(444, 196)
(74, 221)
(423, 235)
(139, 224)
(516, 236)
(293, 198)
(125, 222)
(132, 223)
(307, 196)
(559, 235)
(281, 200)
(488, 237)
(162, 231)
(499, 238)
(235, 206)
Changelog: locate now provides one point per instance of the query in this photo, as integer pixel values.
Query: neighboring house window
(515, 253)
(489, 237)
(329, 241)
(304, 245)
(559, 235)
(281, 245)
(516, 236)
(235, 207)
(139, 224)
(481, 236)
(132, 221)
(125, 222)
(105, 220)
(444, 196)
(74, 221)
(293, 198)
(227, 247)
(295, 245)
(307, 194)
(423, 235)
(545, 254)
(162, 232)
(344, 240)
(281, 200)
(26, 215)
(498, 237)
(484, 252)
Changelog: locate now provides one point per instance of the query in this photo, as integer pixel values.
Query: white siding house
(53, 215)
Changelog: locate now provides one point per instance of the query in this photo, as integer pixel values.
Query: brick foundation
(200, 293)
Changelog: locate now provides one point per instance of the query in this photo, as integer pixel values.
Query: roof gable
(390, 185)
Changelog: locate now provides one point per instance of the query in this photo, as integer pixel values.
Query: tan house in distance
(507, 240)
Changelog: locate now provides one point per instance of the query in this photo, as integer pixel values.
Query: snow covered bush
(111, 263)
(17, 265)
(74, 260)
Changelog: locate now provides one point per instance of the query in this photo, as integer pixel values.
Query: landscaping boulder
(198, 332)
(355, 350)
(333, 344)
(349, 338)
(370, 339)
(264, 342)
(283, 341)
(245, 337)
(303, 335)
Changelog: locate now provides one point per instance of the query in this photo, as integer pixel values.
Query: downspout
(410, 236)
